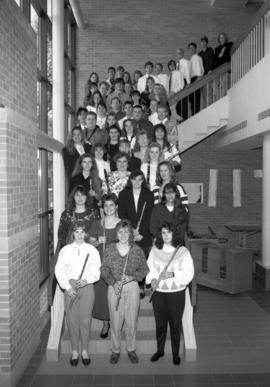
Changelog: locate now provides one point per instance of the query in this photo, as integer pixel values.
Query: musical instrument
(80, 277)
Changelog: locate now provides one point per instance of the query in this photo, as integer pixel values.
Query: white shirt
(184, 66)
(142, 82)
(136, 196)
(196, 66)
(101, 122)
(176, 81)
(101, 165)
(163, 79)
(153, 174)
(80, 149)
(70, 263)
(153, 118)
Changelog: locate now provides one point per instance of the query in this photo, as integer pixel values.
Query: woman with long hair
(93, 78)
(148, 93)
(77, 268)
(141, 145)
(75, 147)
(165, 175)
(123, 266)
(85, 173)
(112, 146)
(171, 210)
(95, 99)
(169, 150)
(169, 287)
(128, 132)
(79, 209)
(102, 233)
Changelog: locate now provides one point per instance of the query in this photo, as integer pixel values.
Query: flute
(122, 284)
(140, 220)
(163, 271)
(80, 277)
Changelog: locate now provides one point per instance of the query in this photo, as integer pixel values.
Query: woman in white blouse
(76, 279)
(169, 284)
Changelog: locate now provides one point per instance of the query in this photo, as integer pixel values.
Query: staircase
(146, 340)
(203, 124)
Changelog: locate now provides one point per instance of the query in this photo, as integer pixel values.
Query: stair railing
(202, 93)
(252, 45)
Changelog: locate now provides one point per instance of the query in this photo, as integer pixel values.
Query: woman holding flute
(171, 270)
(77, 268)
(123, 266)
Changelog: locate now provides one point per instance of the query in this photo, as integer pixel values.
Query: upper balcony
(235, 98)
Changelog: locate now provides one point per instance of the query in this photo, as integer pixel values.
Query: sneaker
(114, 358)
(133, 357)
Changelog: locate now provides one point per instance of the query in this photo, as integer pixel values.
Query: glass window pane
(34, 20)
(49, 9)
(49, 57)
(49, 113)
(38, 103)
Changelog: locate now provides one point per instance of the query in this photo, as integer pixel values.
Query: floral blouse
(117, 181)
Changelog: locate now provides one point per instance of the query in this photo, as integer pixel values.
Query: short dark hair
(148, 63)
(192, 44)
(135, 92)
(80, 110)
(204, 39)
(159, 64)
(119, 80)
(109, 197)
(111, 68)
(137, 106)
(102, 104)
(171, 62)
(133, 175)
(128, 103)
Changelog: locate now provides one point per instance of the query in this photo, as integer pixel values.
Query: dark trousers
(195, 99)
(168, 308)
(182, 107)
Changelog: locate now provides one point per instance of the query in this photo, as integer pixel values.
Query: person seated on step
(124, 265)
(76, 270)
(168, 282)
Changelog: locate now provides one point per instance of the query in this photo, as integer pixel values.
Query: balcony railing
(253, 44)
(203, 92)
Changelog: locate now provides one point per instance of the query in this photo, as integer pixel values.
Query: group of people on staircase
(124, 226)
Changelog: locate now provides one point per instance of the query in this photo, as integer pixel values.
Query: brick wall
(19, 239)
(130, 32)
(196, 165)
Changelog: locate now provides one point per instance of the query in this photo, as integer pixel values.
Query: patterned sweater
(113, 264)
(182, 267)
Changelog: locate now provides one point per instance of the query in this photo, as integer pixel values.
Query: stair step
(145, 343)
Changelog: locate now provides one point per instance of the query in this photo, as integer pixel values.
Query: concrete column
(58, 42)
(266, 203)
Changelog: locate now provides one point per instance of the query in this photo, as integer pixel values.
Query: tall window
(39, 15)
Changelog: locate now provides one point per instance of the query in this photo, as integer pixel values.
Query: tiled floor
(233, 338)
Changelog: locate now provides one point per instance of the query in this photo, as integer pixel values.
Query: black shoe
(114, 358)
(74, 361)
(104, 332)
(86, 361)
(176, 359)
(142, 294)
(156, 356)
(133, 357)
